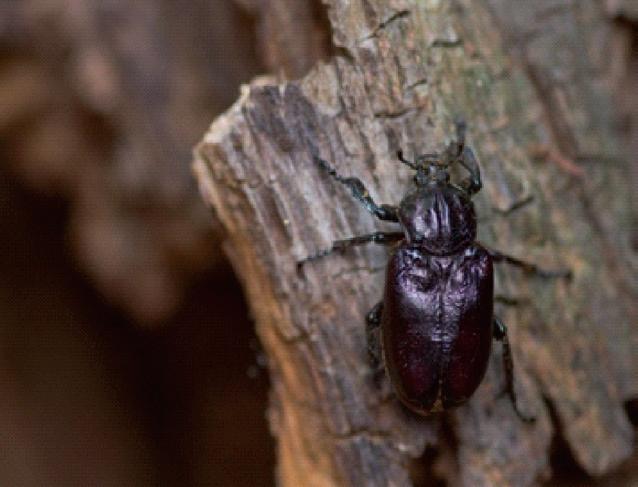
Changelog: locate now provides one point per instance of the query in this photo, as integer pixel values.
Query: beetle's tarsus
(318, 255)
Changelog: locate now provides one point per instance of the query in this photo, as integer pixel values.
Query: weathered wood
(518, 75)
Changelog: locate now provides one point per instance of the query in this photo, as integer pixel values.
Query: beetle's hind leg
(381, 238)
(373, 340)
(500, 334)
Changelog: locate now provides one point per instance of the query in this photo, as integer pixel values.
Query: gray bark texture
(532, 79)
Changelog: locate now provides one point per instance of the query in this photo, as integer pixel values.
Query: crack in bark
(419, 82)
(398, 114)
(447, 43)
(401, 14)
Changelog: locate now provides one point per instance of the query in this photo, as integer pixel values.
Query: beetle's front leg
(500, 334)
(361, 194)
(381, 238)
(528, 266)
(373, 340)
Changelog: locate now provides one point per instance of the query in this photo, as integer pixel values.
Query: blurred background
(127, 355)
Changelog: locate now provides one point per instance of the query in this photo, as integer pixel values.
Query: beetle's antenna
(455, 148)
(461, 129)
(406, 162)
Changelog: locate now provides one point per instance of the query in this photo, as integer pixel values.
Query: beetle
(436, 321)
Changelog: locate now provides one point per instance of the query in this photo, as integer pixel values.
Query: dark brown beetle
(436, 320)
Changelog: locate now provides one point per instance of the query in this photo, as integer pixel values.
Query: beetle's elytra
(436, 321)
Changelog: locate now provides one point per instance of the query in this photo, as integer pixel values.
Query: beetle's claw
(526, 418)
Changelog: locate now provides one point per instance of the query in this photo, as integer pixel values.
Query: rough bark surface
(530, 79)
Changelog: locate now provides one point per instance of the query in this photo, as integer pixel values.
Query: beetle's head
(431, 172)
(432, 168)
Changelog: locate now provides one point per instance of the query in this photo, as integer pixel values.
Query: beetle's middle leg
(360, 193)
(528, 266)
(381, 238)
(500, 334)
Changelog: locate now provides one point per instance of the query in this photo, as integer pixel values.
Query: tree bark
(529, 78)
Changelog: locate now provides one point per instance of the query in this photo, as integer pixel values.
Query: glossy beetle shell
(437, 317)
